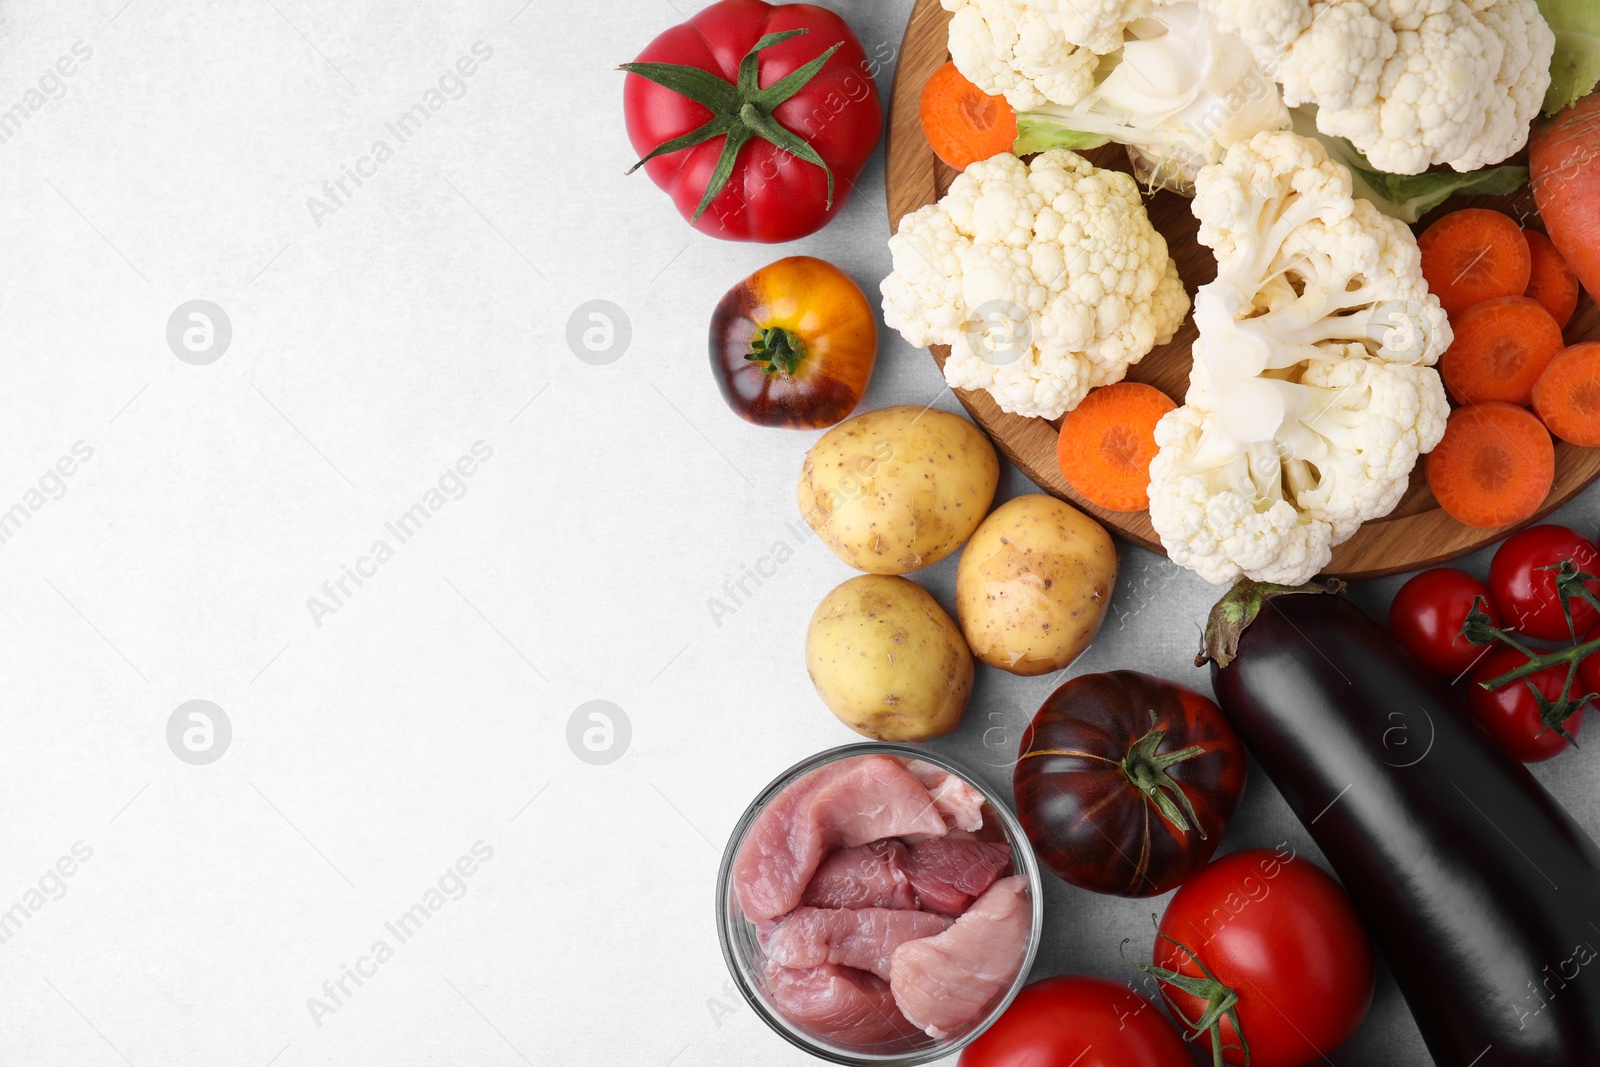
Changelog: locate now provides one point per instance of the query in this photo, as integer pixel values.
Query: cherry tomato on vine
(1277, 932)
(1524, 589)
(1512, 714)
(1427, 614)
(1078, 1021)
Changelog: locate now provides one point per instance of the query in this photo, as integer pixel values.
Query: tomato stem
(1148, 771)
(739, 111)
(780, 351)
(1221, 1002)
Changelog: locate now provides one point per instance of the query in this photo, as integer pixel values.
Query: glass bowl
(745, 957)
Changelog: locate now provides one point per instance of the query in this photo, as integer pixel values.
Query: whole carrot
(1564, 160)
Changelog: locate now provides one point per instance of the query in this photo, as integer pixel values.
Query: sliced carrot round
(1108, 441)
(1494, 467)
(1500, 349)
(1474, 255)
(962, 123)
(1552, 282)
(1567, 395)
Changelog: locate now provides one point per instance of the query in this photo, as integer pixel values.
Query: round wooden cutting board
(1416, 534)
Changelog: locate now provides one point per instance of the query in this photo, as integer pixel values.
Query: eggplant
(1479, 890)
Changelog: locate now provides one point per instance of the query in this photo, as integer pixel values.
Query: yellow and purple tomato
(794, 344)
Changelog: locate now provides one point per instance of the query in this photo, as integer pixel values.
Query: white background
(429, 712)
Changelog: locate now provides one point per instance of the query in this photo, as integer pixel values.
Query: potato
(894, 490)
(1033, 585)
(887, 660)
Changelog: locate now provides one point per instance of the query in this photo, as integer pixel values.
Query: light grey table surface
(387, 737)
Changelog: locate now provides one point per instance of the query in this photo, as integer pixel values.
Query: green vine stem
(1221, 1002)
(1571, 585)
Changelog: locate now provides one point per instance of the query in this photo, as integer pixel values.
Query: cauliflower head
(1019, 50)
(1313, 391)
(1046, 280)
(1411, 83)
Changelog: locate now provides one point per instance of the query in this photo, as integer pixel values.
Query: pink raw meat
(866, 876)
(838, 1003)
(850, 802)
(943, 983)
(863, 938)
(958, 800)
(948, 873)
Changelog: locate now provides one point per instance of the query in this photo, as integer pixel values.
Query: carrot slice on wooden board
(1108, 441)
(1500, 349)
(1564, 161)
(1567, 396)
(1474, 255)
(1552, 283)
(1494, 467)
(962, 123)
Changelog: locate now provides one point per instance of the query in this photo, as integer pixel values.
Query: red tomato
(1426, 617)
(773, 193)
(1511, 713)
(1280, 933)
(1084, 1022)
(1526, 594)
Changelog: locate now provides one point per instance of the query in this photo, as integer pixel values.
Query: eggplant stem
(1238, 608)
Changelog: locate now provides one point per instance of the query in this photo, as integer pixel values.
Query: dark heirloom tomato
(756, 118)
(1124, 782)
(794, 344)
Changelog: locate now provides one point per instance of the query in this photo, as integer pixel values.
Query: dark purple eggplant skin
(1479, 890)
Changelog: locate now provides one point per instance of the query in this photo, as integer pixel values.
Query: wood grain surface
(1416, 534)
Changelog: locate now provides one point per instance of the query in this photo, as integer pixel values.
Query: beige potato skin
(1034, 584)
(894, 490)
(888, 661)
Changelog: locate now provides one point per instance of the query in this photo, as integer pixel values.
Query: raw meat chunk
(864, 938)
(943, 983)
(866, 876)
(851, 802)
(958, 800)
(947, 873)
(837, 1003)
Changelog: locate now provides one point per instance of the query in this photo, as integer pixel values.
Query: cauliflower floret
(1018, 50)
(1172, 85)
(1274, 510)
(1045, 279)
(1313, 392)
(1219, 520)
(1411, 83)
